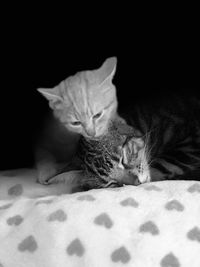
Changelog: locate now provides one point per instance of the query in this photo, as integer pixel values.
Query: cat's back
(160, 107)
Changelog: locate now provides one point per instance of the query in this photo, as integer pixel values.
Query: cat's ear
(51, 94)
(106, 72)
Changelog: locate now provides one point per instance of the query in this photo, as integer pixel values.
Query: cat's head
(135, 161)
(85, 102)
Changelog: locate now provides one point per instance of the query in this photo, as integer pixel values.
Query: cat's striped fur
(115, 159)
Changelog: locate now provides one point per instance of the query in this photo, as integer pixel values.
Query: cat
(82, 105)
(113, 160)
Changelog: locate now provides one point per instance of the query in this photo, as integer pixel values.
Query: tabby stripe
(102, 172)
(194, 158)
(196, 154)
(95, 171)
(160, 167)
(187, 140)
(156, 175)
(173, 161)
(115, 157)
(174, 169)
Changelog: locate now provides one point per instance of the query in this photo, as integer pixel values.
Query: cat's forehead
(85, 95)
(83, 88)
(82, 82)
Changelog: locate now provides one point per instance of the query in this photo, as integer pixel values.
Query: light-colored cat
(82, 104)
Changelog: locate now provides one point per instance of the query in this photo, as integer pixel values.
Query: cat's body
(86, 104)
(172, 124)
(102, 161)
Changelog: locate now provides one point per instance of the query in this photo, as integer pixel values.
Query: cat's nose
(90, 132)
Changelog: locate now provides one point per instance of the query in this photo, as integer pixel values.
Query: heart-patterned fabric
(151, 225)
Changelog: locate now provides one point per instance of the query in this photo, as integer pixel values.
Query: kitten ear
(51, 94)
(107, 70)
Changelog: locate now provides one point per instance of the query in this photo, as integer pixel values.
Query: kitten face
(133, 167)
(86, 102)
(134, 158)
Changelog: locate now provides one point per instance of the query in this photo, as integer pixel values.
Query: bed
(151, 225)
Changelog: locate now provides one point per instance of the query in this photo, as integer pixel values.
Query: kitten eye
(98, 115)
(76, 123)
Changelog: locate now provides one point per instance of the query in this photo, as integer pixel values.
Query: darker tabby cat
(103, 163)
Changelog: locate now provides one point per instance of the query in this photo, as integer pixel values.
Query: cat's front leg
(72, 178)
(45, 171)
(46, 166)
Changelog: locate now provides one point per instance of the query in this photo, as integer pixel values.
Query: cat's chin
(95, 138)
(98, 134)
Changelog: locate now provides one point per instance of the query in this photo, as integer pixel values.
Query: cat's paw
(45, 173)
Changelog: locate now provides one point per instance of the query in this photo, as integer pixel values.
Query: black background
(150, 59)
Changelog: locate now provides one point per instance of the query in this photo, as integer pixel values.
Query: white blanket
(152, 225)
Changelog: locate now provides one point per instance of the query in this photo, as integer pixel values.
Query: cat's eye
(76, 123)
(98, 115)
